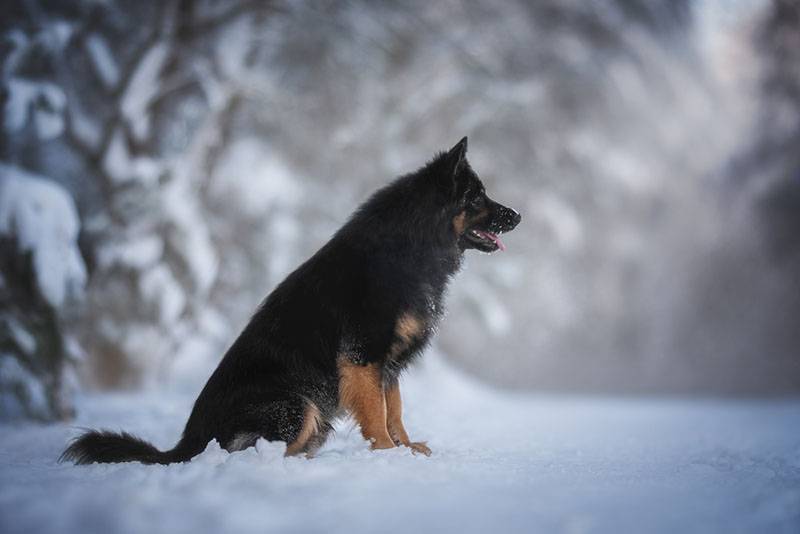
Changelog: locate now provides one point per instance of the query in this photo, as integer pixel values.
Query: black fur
(395, 255)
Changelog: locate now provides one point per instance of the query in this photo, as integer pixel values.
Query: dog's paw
(420, 447)
(377, 444)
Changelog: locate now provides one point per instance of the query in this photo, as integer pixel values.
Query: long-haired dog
(333, 337)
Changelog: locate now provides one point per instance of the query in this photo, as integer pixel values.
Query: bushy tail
(103, 446)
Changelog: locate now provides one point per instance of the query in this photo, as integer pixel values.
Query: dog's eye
(476, 203)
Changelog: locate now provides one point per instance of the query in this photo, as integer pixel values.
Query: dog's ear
(456, 156)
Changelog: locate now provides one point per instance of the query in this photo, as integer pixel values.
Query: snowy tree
(153, 260)
(157, 254)
(41, 271)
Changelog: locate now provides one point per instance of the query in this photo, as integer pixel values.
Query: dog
(334, 336)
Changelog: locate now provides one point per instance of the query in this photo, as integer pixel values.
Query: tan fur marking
(311, 425)
(361, 393)
(460, 223)
(394, 421)
(408, 327)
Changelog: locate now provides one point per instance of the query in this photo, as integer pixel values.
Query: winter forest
(164, 164)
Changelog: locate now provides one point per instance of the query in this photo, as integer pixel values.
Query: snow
(189, 233)
(122, 167)
(17, 42)
(103, 61)
(85, 128)
(24, 340)
(159, 286)
(142, 88)
(55, 35)
(41, 102)
(18, 101)
(42, 217)
(73, 349)
(138, 252)
(15, 379)
(231, 51)
(255, 177)
(502, 462)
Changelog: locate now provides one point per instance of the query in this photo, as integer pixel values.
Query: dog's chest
(414, 326)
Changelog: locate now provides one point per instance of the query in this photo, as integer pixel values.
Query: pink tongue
(493, 237)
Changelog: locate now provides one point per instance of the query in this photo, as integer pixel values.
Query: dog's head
(475, 219)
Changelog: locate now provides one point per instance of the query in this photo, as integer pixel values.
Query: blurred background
(164, 164)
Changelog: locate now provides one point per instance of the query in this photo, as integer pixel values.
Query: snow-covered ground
(502, 463)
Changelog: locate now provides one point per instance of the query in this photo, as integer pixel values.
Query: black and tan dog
(334, 336)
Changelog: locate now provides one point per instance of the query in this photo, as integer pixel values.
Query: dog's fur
(334, 336)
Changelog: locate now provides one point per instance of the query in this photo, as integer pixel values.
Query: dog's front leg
(394, 421)
(361, 393)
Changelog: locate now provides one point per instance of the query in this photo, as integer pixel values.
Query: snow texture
(139, 252)
(21, 393)
(158, 285)
(41, 102)
(189, 235)
(24, 340)
(502, 463)
(255, 178)
(103, 61)
(122, 167)
(142, 88)
(44, 220)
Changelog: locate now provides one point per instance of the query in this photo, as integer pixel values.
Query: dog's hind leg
(241, 441)
(313, 433)
(361, 393)
(394, 421)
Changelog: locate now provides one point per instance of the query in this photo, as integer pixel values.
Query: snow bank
(43, 219)
(502, 462)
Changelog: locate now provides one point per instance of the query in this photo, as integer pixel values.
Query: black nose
(510, 219)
